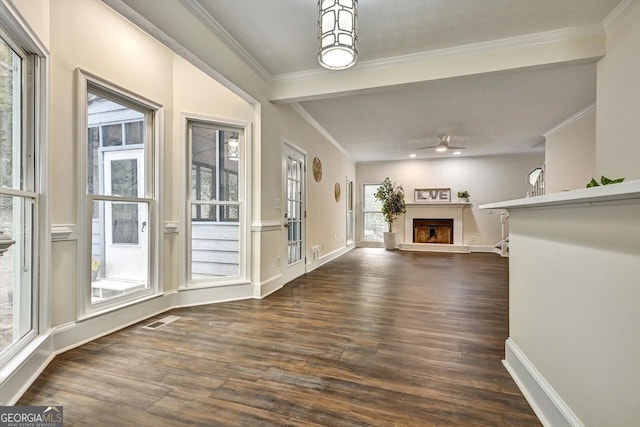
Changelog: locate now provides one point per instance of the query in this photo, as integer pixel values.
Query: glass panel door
(126, 228)
(294, 221)
(294, 209)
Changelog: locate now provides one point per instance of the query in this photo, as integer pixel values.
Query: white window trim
(17, 33)
(244, 197)
(153, 162)
(365, 184)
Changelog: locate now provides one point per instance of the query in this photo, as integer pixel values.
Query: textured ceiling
(501, 109)
(496, 113)
(281, 34)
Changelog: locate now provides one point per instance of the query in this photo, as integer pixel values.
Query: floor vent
(160, 323)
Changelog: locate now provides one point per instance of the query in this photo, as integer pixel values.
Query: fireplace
(427, 214)
(433, 230)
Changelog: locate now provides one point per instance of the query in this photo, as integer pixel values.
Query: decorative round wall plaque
(317, 169)
(336, 192)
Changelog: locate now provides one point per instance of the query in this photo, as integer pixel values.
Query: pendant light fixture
(337, 38)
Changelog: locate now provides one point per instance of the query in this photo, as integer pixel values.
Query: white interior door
(294, 214)
(126, 223)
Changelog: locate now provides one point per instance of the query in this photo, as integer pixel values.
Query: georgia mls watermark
(31, 416)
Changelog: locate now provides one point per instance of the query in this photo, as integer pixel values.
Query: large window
(372, 218)
(18, 198)
(120, 192)
(215, 204)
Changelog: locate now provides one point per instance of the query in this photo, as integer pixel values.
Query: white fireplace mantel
(435, 211)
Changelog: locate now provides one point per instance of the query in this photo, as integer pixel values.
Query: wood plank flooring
(380, 338)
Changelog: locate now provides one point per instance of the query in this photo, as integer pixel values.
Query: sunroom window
(18, 199)
(372, 218)
(120, 196)
(216, 206)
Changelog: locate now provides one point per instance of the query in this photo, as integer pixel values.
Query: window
(372, 218)
(18, 198)
(120, 192)
(215, 204)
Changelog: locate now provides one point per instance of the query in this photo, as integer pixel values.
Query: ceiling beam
(554, 47)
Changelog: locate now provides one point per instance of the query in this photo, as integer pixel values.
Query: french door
(294, 213)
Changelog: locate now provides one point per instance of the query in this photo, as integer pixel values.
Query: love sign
(432, 195)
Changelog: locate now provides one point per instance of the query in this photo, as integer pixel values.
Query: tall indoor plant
(393, 204)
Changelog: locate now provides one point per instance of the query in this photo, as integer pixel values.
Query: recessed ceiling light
(457, 153)
(412, 155)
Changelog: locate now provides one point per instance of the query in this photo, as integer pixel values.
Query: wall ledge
(624, 191)
(545, 402)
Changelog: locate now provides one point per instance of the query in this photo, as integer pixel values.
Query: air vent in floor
(162, 322)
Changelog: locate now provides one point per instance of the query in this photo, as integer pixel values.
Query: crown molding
(508, 43)
(619, 12)
(577, 116)
(305, 115)
(205, 17)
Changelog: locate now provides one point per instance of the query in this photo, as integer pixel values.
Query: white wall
(574, 305)
(488, 179)
(570, 153)
(618, 94)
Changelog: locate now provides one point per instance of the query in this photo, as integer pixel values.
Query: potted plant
(95, 267)
(464, 195)
(393, 204)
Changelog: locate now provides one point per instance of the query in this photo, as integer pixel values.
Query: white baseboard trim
(31, 361)
(545, 402)
(211, 295)
(269, 286)
(482, 249)
(328, 257)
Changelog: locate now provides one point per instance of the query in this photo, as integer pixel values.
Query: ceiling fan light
(337, 38)
(441, 148)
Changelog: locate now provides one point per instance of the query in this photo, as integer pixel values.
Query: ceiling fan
(443, 145)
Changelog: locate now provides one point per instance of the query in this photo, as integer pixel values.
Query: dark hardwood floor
(373, 338)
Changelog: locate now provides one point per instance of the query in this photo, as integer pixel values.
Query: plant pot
(94, 275)
(389, 240)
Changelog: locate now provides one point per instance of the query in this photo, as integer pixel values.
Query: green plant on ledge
(604, 181)
(463, 194)
(392, 198)
(95, 264)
